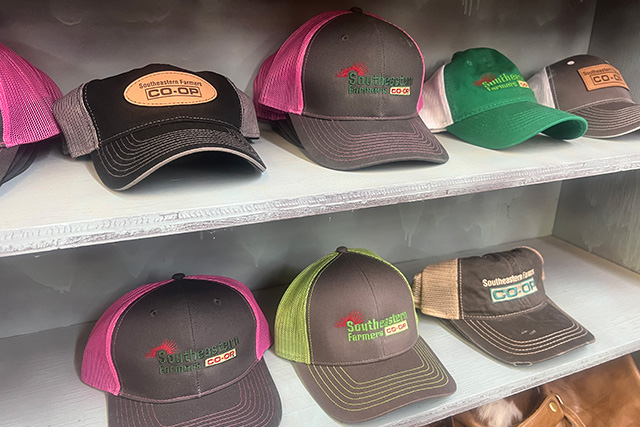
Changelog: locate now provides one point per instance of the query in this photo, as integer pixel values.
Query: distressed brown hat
(590, 87)
(348, 323)
(497, 302)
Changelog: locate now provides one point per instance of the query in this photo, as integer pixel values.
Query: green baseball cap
(481, 97)
(349, 325)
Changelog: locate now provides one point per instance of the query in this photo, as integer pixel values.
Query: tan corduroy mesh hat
(497, 302)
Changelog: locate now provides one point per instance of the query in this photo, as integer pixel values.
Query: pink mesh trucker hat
(136, 122)
(346, 86)
(26, 97)
(186, 351)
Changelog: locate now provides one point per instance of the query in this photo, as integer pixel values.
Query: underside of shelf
(40, 381)
(75, 209)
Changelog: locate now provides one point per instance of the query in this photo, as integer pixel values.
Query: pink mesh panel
(26, 97)
(282, 86)
(262, 111)
(98, 369)
(263, 337)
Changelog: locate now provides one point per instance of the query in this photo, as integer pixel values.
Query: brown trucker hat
(590, 87)
(349, 325)
(497, 302)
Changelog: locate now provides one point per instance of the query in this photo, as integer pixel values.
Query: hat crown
(360, 66)
(480, 79)
(357, 308)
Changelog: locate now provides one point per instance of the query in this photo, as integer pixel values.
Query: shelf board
(60, 203)
(40, 381)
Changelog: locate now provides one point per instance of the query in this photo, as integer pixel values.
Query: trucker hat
(350, 85)
(481, 97)
(349, 325)
(26, 97)
(497, 302)
(136, 122)
(592, 88)
(186, 351)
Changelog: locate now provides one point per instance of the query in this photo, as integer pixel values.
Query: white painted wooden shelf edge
(39, 373)
(82, 212)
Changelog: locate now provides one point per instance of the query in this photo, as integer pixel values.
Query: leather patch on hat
(169, 88)
(601, 76)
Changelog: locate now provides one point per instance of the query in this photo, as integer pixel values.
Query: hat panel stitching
(308, 306)
(495, 316)
(174, 119)
(91, 113)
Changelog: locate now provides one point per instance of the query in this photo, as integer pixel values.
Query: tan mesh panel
(435, 290)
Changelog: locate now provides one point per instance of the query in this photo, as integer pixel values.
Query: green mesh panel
(376, 256)
(291, 332)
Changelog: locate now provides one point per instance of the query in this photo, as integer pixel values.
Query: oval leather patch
(167, 88)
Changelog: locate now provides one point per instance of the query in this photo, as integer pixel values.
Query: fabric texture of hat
(592, 88)
(26, 98)
(349, 325)
(350, 85)
(498, 302)
(481, 97)
(186, 352)
(134, 123)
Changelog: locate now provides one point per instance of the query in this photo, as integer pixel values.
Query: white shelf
(40, 381)
(60, 203)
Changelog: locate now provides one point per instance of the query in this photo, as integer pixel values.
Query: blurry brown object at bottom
(607, 395)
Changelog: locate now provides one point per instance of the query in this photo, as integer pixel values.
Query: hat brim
(611, 119)
(356, 144)
(355, 393)
(526, 337)
(124, 162)
(511, 124)
(253, 402)
(15, 160)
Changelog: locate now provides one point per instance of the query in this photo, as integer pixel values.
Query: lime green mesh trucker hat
(481, 97)
(349, 325)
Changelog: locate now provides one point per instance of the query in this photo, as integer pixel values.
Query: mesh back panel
(26, 97)
(291, 329)
(282, 86)
(435, 290)
(263, 337)
(539, 84)
(249, 124)
(262, 111)
(98, 369)
(436, 112)
(74, 119)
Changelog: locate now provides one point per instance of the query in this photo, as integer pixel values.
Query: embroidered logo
(354, 316)
(503, 81)
(360, 68)
(359, 330)
(488, 78)
(168, 346)
(360, 82)
(515, 291)
(171, 361)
